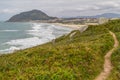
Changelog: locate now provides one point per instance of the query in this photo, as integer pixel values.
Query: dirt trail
(107, 63)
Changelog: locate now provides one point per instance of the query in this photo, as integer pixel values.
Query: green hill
(79, 58)
(30, 16)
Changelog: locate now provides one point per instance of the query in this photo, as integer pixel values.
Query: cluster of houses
(82, 21)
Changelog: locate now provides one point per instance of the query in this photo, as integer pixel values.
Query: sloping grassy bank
(115, 75)
(80, 58)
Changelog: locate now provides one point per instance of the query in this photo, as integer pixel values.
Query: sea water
(16, 36)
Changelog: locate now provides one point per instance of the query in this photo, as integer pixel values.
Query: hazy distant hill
(107, 15)
(30, 15)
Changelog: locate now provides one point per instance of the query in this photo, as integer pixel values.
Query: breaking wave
(40, 34)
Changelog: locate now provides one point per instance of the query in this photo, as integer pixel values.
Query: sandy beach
(81, 28)
(74, 26)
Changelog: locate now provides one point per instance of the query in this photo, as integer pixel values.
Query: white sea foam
(27, 42)
(9, 30)
(40, 34)
(11, 49)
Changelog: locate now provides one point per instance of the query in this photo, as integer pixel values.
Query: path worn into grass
(107, 63)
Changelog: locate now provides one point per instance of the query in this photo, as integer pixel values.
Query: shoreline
(73, 26)
(81, 28)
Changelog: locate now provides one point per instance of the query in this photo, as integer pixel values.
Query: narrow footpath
(107, 63)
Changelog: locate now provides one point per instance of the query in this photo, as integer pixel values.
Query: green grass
(81, 58)
(115, 75)
(115, 27)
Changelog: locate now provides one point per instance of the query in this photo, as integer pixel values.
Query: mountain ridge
(106, 15)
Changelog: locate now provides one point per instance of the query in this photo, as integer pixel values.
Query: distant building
(102, 20)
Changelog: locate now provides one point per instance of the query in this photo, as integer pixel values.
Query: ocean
(17, 36)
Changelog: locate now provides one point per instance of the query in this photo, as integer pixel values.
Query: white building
(102, 20)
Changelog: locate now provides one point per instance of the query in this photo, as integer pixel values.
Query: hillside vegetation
(79, 58)
(115, 27)
(30, 16)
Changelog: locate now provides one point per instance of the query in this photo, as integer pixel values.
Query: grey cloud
(59, 8)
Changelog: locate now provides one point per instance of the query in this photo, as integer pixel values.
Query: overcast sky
(59, 8)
